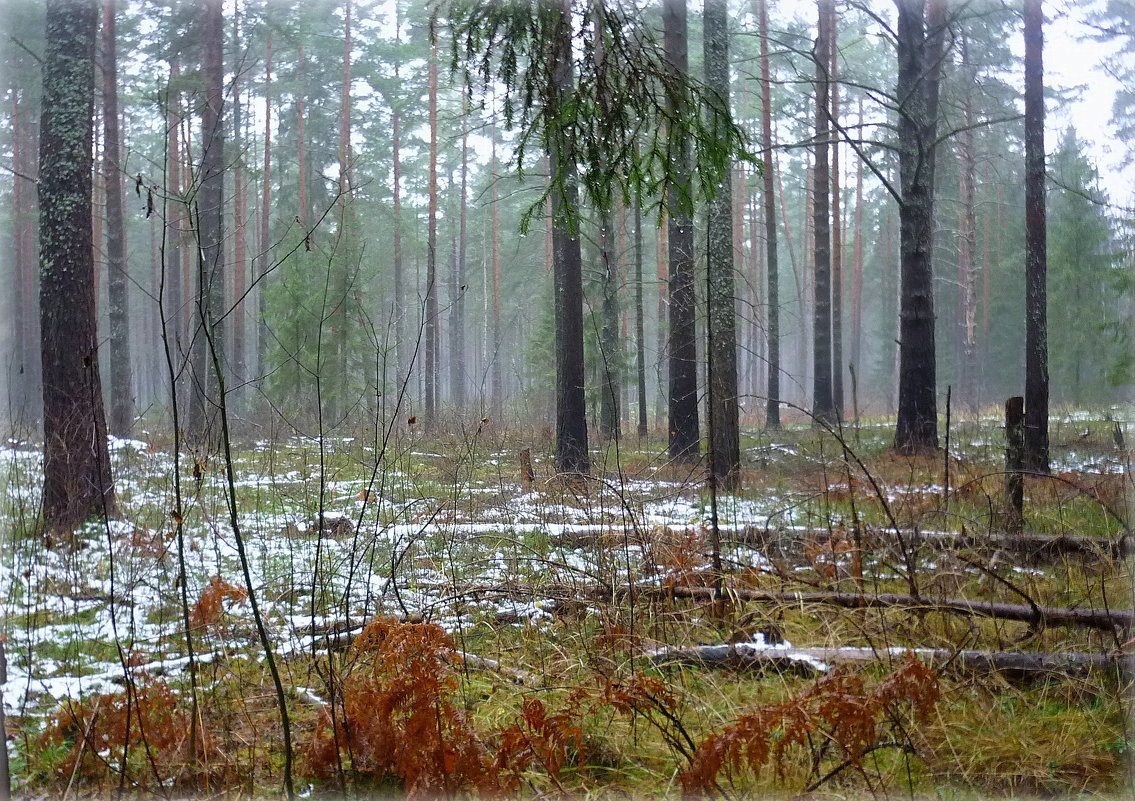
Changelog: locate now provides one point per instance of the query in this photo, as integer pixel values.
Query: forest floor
(442, 627)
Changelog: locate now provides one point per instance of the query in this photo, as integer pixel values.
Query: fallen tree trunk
(810, 661)
(1035, 546)
(1060, 617)
(1106, 619)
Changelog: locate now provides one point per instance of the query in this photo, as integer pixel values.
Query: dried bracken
(837, 707)
(209, 609)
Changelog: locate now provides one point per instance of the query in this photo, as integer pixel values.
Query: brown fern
(837, 706)
(209, 609)
(149, 725)
(398, 719)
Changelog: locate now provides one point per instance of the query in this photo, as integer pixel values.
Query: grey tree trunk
(209, 224)
(432, 321)
(768, 201)
(685, 436)
(76, 464)
(967, 237)
(837, 219)
(610, 356)
(722, 322)
(1036, 253)
(457, 282)
(823, 406)
(571, 410)
(920, 30)
(117, 281)
(640, 335)
(265, 247)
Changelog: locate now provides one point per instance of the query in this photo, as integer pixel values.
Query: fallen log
(1035, 546)
(1104, 619)
(1048, 616)
(1022, 665)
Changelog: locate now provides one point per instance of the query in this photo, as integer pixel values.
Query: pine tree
(118, 282)
(76, 464)
(722, 318)
(685, 437)
(921, 28)
(1036, 266)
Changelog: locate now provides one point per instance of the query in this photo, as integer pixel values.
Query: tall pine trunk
(857, 263)
(341, 264)
(639, 321)
(609, 357)
(685, 436)
(76, 464)
(302, 215)
(398, 305)
(837, 219)
(495, 344)
(431, 320)
(722, 320)
(823, 406)
(209, 220)
(238, 348)
(1036, 255)
(24, 374)
(967, 236)
(571, 410)
(175, 292)
(121, 418)
(768, 201)
(264, 243)
(919, 51)
(457, 281)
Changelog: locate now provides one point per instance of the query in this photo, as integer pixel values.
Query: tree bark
(823, 404)
(640, 327)
(457, 283)
(175, 292)
(398, 306)
(610, 357)
(857, 263)
(25, 385)
(1036, 257)
(207, 218)
(685, 436)
(571, 410)
(264, 243)
(495, 345)
(662, 272)
(967, 236)
(302, 216)
(431, 332)
(772, 403)
(121, 418)
(837, 220)
(722, 312)
(77, 481)
(919, 49)
(239, 328)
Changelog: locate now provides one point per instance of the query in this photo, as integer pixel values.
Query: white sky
(1071, 62)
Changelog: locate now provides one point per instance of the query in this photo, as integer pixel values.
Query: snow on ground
(65, 613)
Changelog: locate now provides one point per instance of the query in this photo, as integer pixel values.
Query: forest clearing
(563, 636)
